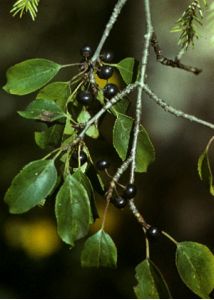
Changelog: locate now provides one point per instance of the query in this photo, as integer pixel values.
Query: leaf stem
(209, 143)
(147, 248)
(71, 65)
(51, 153)
(75, 91)
(169, 237)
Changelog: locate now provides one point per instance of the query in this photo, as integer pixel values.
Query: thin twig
(122, 169)
(170, 62)
(112, 185)
(172, 110)
(137, 214)
(117, 10)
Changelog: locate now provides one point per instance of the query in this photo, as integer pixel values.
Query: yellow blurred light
(113, 219)
(37, 238)
(115, 78)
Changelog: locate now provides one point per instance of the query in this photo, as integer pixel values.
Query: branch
(141, 83)
(132, 206)
(150, 37)
(107, 106)
(112, 185)
(137, 215)
(144, 61)
(170, 62)
(117, 10)
(172, 110)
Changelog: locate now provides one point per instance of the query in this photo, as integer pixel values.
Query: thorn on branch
(170, 62)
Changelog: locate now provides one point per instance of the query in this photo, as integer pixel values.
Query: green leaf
(145, 153)
(57, 92)
(30, 75)
(126, 68)
(32, 184)
(99, 251)
(84, 180)
(51, 136)
(83, 118)
(121, 134)
(151, 284)
(93, 132)
(100, 97)
(95, 179)
(72, 210)
(120, 107)
(69, 129)
(204, 168)
(195, 264)
(44, 110)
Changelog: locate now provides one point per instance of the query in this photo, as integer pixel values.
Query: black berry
(153, 232)
(102, 164)
(84, 97)
(110, 90)
(107, 56)
(130, 191)
(86, 51)
(79, 157)
(105, 72)
(119, 202)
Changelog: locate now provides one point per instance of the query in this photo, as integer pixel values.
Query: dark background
(171, 195)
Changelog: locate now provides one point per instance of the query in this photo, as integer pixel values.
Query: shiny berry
(79, 157)
(153, 232)
(86, 51)
(107, 56)
(84, 97)
(102, 164)
(119, 202)
(110, 90)
(130, 191)
(105, 72)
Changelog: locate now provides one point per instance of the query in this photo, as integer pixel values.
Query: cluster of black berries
(85, 97)
(104, 71)
(129, 192)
